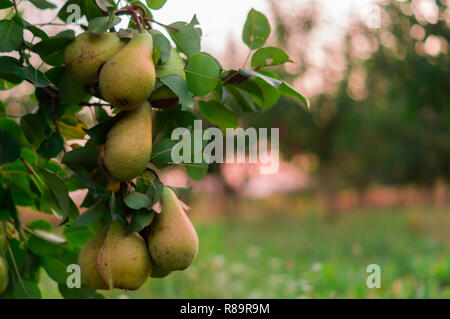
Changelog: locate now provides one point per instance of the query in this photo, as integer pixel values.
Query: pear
(158, 272)
(3, 274)
(87, 259)
(128, 146)
(164, 97)
(173, 242)
(128, 78)
(123, 260)
(85, 55)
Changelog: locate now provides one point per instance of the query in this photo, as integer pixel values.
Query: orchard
(139, 85)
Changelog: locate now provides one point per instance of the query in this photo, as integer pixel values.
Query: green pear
(3, 274)
(173, 242)
(123, 260)
(87, 260)
(128, 78)
(85, 55)
(128, 146)
(164, 97)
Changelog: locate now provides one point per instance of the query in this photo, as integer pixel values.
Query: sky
(221, 20)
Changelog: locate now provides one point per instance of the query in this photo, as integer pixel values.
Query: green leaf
(86, 157)
(35, 128)
(159, 40)
(186, 38)
(37, 32)
(103, 24)
(11, 35)
(286, 89)
(105, 5)
(93, 214)
(197, 171)
(137, 200)
(49, 237)
(43, 4)
(270, 94)
(161, 151)
(99, 132)
(256, 30)
(156, 4)
(27, 290)
(52, 146)
(60, 194)
(5, 4)
(115, 208)
(218, 114)
(77, 237)
(51, 50)
(202, 74)
(56, 266)
(9, 147)
(272, 81)
(88, 9)
(71, 92)
(180, 88)
(84, 292)
(243, 99)
(141, 219)
(269, 57)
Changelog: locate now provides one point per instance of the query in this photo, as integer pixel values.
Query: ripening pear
(173, 242)
(158, 272)
(164, 97)
(123, 260)
(129, 76)
(128, 146)
(85, 55)
(3, 274)
(87, 260)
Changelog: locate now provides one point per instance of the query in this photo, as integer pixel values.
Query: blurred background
(364, 174)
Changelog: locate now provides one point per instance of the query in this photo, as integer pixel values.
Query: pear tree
(99, 117)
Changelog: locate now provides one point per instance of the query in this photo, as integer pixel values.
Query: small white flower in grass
(317, 266)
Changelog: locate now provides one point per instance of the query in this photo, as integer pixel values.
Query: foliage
(312, 257)
(396, 129)
(54, 148)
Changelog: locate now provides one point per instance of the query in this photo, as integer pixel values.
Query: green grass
(313, 257)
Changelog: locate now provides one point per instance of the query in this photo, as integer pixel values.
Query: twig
(162, 24)
(15, 7)
(14, 260)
